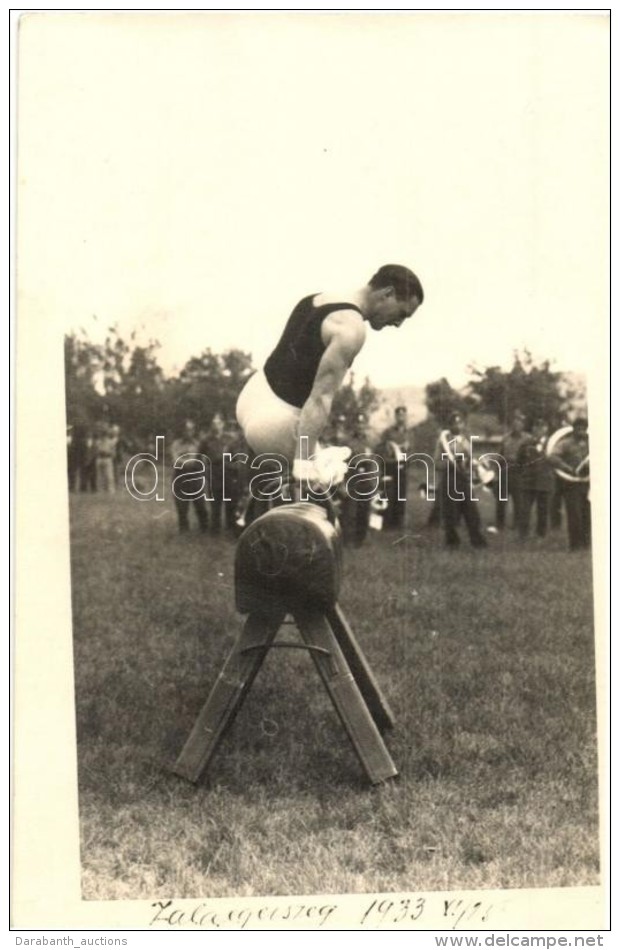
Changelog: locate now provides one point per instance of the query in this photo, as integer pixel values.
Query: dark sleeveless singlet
(291, 368)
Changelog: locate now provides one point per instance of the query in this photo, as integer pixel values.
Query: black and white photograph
(312, 457)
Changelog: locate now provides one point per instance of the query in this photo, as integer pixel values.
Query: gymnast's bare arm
(343, 334)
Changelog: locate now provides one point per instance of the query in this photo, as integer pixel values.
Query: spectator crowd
(532, 480)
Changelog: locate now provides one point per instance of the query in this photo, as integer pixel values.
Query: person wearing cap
(453, 465)
(106, 446)
(556, 503)
(512, 442)
(76, 456)
(537, 480)
(188, 478)
(213, 445)
(394, 448)
(284, 409)
(88, 462)
(355, 511)
(120, 448)
(71, 466)
(338, 436)
(340, 431)
(572, 457)
(235, 475)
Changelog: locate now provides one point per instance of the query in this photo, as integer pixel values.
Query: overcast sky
(195, 175)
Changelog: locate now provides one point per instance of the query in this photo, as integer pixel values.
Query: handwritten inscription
(166, 914)
(462, 912)
(378, 913)
(389, 913)
(393, 912)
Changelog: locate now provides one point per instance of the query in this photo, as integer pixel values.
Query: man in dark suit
(189, 484)
(512, 442)
(537, 480)
(355, 513)
(394, 448)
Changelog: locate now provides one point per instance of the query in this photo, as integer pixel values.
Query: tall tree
(137, 400)
(84, 404)
(210, 384)
(442, 400)
(115, 380)
(532, 387)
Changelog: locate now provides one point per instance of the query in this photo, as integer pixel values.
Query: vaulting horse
(288, 562)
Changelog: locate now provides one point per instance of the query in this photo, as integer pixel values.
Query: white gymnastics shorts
(269, 424)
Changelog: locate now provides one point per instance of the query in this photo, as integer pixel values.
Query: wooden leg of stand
(345, 695)
(364, 677)
(227, 694)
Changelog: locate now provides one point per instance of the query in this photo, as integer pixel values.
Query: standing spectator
(339, 432)
(453, 464)
(227, 474)
(188, 480)
(394, 447)
(537, 480)
(80, 449)
(339, 436)
(511, 474)
(72, 466)
(355, 512)
(572, 457)
(556, 503)
(434, 517)
(120, 449)
(235, 475)
(215, 444)
(88, 462)
(106, 443)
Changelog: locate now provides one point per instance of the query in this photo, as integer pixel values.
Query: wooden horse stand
(289, 561)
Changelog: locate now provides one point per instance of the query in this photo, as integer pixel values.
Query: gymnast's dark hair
(403, 280)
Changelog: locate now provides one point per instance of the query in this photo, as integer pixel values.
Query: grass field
(486, 657)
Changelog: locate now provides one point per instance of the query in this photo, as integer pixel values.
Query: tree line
(120, 381)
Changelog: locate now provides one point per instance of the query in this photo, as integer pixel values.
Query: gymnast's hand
(327, 468)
